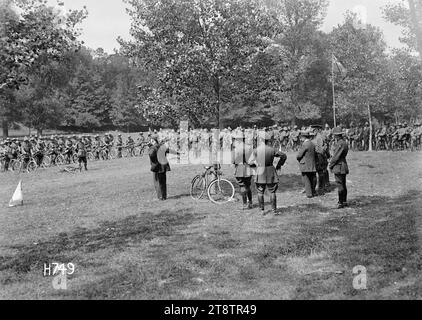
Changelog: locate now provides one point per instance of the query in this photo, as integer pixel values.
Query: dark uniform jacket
(321, 153)
(240, 156)
(306, 157)
(263, 158)
(158, 158)
(338, 163)
(81, 149)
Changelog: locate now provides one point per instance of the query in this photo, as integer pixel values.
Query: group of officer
(253, 158)
(313, 157)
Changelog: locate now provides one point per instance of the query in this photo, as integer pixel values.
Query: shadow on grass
(113, 235)
(382, 237)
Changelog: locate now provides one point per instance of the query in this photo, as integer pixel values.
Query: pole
(370, 127)
(334, 94)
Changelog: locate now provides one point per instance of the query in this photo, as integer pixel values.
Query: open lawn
(127, 245)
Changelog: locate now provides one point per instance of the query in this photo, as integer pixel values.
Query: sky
(107, 20)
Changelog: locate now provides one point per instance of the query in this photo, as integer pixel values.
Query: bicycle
(19, 164)
(219, 190)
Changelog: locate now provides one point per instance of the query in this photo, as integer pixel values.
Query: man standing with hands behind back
(307, 163)
(266, 176)
(338, 165)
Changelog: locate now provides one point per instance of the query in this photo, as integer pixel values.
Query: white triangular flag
(17, 199)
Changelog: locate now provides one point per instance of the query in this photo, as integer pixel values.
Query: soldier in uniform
(119, 145)
(7, 151)
(68, 150)
(130, 145)
(81, 152)
(338, 165)
(322, 155)
(240, 155)
(26, 151)
(160, 165)
(365, 136)
(307, 163)
(266, 175)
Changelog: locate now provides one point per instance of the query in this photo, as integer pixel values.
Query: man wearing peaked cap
(338, 165)
(243, 173)
(266, 175)
(160, 165)
(307, 163)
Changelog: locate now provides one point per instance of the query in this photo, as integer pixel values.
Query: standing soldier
(322, 154)
(160, 166)
(130, 145)
(68, 150)
(294, 138)
(26, 151)
(119, 145)
(307, 163)
(81, 152)
(338, 165)
(7, 154)
(241, 153)
(266, 175)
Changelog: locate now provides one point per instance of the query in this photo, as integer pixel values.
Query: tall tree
(300, 44)
(363, 53)
(408, 15)
(30, 29)
(194, 47)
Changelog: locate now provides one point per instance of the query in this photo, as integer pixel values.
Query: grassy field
(127, 245)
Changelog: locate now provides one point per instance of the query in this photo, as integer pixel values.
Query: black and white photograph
(210, 150)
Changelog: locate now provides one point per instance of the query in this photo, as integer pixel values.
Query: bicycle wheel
(90, 156)
(125, 152)
(113, 154)
(15, 165)
(75, 158)
(46, 162)
(32, 166)
(197, 188)
(60, 160)
(221, 191)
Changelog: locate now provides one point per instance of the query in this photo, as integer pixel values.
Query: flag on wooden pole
(338, 67)
(17, 198)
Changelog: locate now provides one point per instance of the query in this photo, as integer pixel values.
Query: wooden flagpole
(334, 94)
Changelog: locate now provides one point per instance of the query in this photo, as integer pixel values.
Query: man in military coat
(160, 165)
(307, 163)
(266, 174)
(322, 154)
(241, 153)
(338, 165)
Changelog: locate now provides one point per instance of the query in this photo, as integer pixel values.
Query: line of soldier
(386, 137)
(70, 145)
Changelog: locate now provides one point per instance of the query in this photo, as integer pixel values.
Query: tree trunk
(5, 126)
(370, 127)
(39, 132)
(416, 25)
(217, 89)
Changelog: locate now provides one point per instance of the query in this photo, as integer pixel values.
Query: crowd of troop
(59, 150)
(386, 137)
(66, 149)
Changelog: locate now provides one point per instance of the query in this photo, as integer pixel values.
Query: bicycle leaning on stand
(219, 190)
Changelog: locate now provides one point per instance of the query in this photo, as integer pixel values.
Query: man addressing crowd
(160, 165)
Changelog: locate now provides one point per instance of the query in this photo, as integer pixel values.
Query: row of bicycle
(51, 158)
